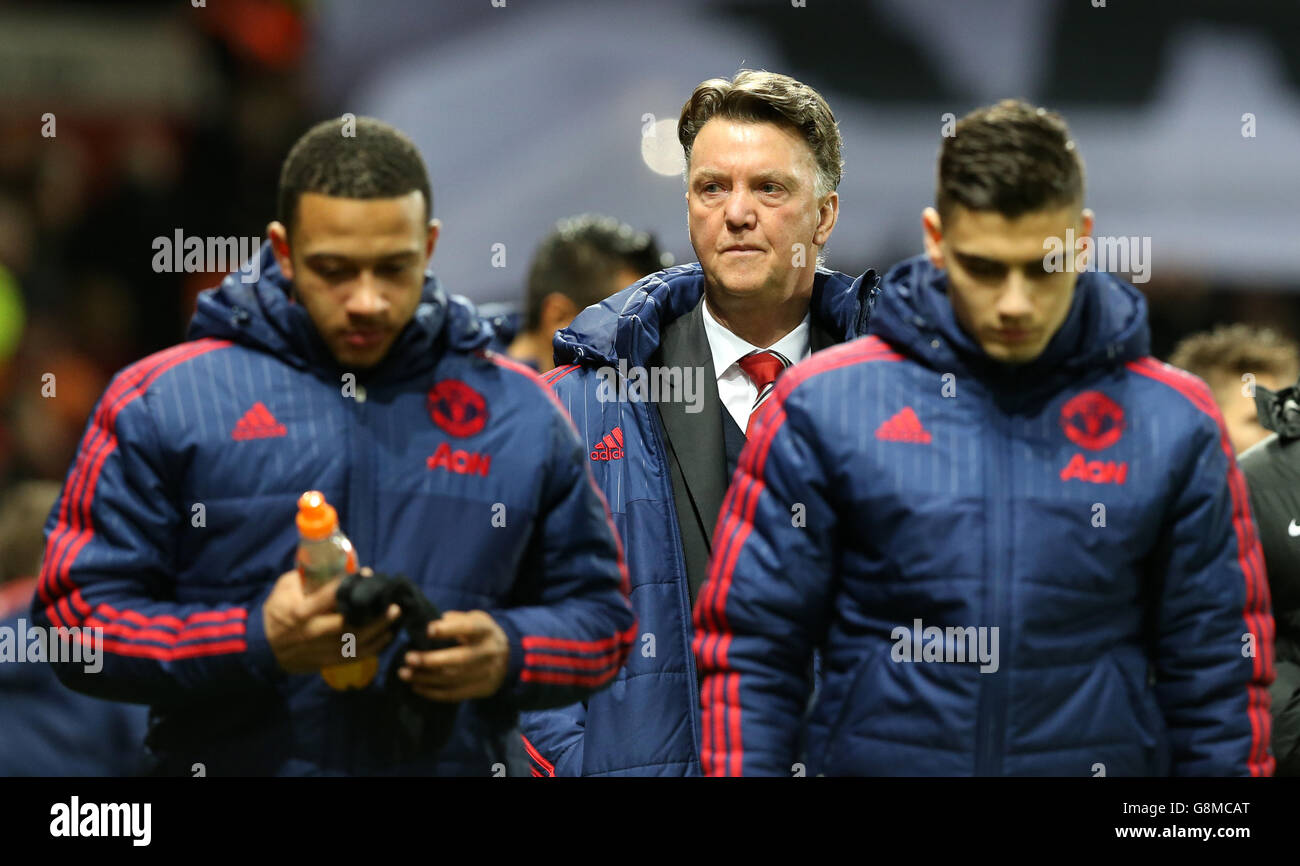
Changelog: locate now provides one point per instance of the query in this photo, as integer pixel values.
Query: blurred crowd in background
(189, 129)
(123, 122)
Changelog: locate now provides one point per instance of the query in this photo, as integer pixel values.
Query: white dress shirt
(736, 390)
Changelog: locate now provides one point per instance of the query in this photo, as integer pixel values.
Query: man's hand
(475, 669)
(306, 631)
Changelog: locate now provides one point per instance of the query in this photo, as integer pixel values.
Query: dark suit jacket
(695, 440)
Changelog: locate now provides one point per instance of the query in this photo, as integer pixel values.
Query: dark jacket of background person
(506, 322)
(1123, 634)
(180, 599)
(1272, 469)
(665, 490)
(47, 729)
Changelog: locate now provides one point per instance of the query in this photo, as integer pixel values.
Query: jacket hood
(630, 323)
(260, 314)
(1106, 326)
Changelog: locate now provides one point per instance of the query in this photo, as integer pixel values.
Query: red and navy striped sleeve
(1214, 641)
(105, 573)
(571, 634)
(763, 608)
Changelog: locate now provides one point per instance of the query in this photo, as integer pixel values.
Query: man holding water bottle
(335, 363)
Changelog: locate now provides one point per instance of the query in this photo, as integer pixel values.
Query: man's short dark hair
(754, 96)
(1010, 158)
(581, 260)
(352, 158)
(1222, 355)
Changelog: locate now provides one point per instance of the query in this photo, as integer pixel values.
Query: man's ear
(557, 312)
(932, 229)
(431, 240)
(827, 215)
(1081, 231)
(279, 237)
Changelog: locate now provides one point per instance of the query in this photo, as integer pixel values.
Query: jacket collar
(1106, 325)
(630, 323)
(261, 315)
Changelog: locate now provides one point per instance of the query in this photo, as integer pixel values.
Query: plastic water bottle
(325, 553)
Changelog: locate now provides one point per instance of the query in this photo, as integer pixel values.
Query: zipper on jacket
(991, 724)
(688, 624)
(362, 505)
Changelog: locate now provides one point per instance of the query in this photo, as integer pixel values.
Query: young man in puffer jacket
(334, 361)
(1023, 545)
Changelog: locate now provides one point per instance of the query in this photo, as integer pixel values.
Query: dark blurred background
(169, 117)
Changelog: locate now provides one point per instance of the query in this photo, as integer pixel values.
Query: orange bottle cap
(316, 517)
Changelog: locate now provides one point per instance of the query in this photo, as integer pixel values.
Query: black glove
(1279, 411)
(423, 725)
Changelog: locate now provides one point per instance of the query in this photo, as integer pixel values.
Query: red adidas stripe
(70, 520)
(557, 374)
(733, 700)
(86, 532)
(864, 350)
(138, 633)
(719, 723)
(537, 756)
(1249, 558)
(726, 717)
(59, 537)
(176, 653)
(92, 440)
(625, 581)
(590, 664)
(75, 529)
(739, 507)
(561, 679)
(1237, 483)
(174, 622)
(531, 642)
(62, 613)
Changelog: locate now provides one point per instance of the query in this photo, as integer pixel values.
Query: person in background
(1272, 470)
(583, 261)
(46, 729)
(1232, 359)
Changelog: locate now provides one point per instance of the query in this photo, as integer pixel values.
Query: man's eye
(390, 270)
(711, 188)
(984, 270)
(770, 188)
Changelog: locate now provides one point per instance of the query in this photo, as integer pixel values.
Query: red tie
(762, 366)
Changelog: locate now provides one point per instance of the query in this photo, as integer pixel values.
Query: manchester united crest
(1092, 420)
(457, 408)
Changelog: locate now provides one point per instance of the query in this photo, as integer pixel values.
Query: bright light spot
(661, 150)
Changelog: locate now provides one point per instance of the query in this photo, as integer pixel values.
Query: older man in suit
(662, 378)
